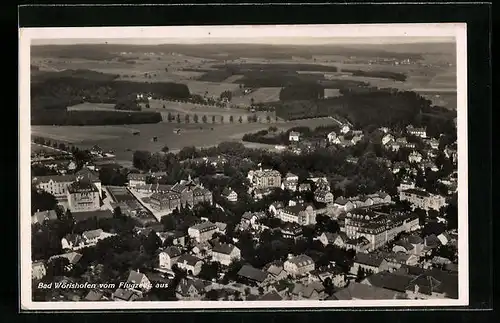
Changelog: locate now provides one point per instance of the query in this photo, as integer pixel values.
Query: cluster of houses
(347, 137)
(90, 238)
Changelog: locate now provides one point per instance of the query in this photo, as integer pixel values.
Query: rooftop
(252, 273)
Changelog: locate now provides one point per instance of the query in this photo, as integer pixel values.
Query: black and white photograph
(243, 166)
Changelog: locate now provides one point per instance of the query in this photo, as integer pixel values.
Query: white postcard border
(243, 33)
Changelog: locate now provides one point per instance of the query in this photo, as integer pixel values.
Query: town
(338, 212)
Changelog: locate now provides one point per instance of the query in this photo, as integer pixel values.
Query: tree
(152, 242)
(178, 118)
(42, 201)
(268, 118)
(213, 119)
(252, 101)
(261, 290)
(204, 118)
(147, 106)
(169, 116)
(117, 212)
(240, 119)
(141, 159)
(249, 119)
(195, 118)
(231, 119)
(165, 108)
(165, 149)
(168, 222)
(186, 118)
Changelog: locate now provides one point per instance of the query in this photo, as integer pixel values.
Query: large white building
(266, 178)
(299, 213)
(299, 265)
(226, 253)
(202, 232)
(422, 199)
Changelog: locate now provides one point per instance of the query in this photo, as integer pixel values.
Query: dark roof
(88, 174)
(390, 281)
(172, 251)
(368, 259)
(405, 244)
(417, 192)
(82, 185)
(224, 248)
(55, 178)
(252, 273)
(301, 260)
(135, 277)
(100, 214)
(185, 284)
(227, 191)
(94, 295)
(414, 239)
(272, 296)
(189, 259)
(364, 291)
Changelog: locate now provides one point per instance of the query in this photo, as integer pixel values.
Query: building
(294, 136)
(189, 263)
(419, 132)
(291, 231)
(367, 262)
(191, 289)
(86, 239)
(331, 137)
(38, 270)
(249, 274)
(433, 284)
(83, 196)
(323, 196)
(230, 195)
(202, 232)
(54, 184)
(378, 228)
(225, 253)
(359, 291)
(415, 157)
(388, 138)
(290, 182)
(267, 178)
(168, 257)
(186, 193)
(276, 207)
(335, 239)
(304, 187)
(422, 199)
(345, 129)
(300, 213)
(41, 217)
(135, 180)
(299, 265)
(405, 185)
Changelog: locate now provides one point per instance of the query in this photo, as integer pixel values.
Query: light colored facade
(191, 264)
(225, 254)
(135, 180)
(38, 270)
(300, 213)
(202, 232)
(331, 137)
(299, 265)
(55, 185)
(83, 196)
(266, 178)
(294, 136)
(168, 257)
(323, 196)
(422, 199)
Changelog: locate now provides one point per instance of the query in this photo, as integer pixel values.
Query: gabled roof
(186, 284)
(172, 251)
(94, 295)
(40, 217)
(271, 296)
(55, 178)
(368, 259)
(125, 294)
(204, 226)
(190, 260)
(414, 239)
(92, 234)
(365, 292)
(135, 277)
(224, 248)
(73, 257)
(301, 260)
(252, 273)
(227, 191)
(405, 244)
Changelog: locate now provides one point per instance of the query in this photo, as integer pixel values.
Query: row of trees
(195, 118)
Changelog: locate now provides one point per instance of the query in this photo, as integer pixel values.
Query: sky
(259, 40)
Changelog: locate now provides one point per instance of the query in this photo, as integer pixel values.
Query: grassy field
(261, 95)
(122, 141)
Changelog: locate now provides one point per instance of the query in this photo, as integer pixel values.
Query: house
(394, 261)
(94, 296)
(422, 199)
(335, 239)
(331, 136)
(203, 231)
(359, 244)
(291, 231)
(73, 258)
(384, 129)
(38, 270)
(302, 214)
(440, 261)
(433, 143)
(137, 281)
(54, 184)
(356, 138)
(403, 246)
(135, 180)
(395, 282)
(225, 253)
(294, 136)
(191, 289)
(93, 236)
(189, 263)
(276, 207)
(359, 291)
(345, 129)
(271, 296)
(304, 187)
(419, 132)
(230, 195)
(406, 185)
(367, 262)
(179, 238)
(343, 204)
(312, 291)
(323, 196)
(168, 257)
(221, 227)
(253, 275)
(267, 178)
(83, 196)
(388, 138)
(186, 193)
(259, 193)
(298, 265)
(432, 241)
(415, 157)
(276, 271)
(251, 218)
(42, 216)
(290, 182)
(444, 238)
(433, 284)
(125, 295)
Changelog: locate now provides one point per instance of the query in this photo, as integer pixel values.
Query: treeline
(379, 74)
(272, 137)
(304, 91)
(77, 86)
(241, 68)
(87, 118)
(128, 104)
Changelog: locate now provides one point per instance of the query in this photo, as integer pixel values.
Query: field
(261, 95)
(122, 142)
